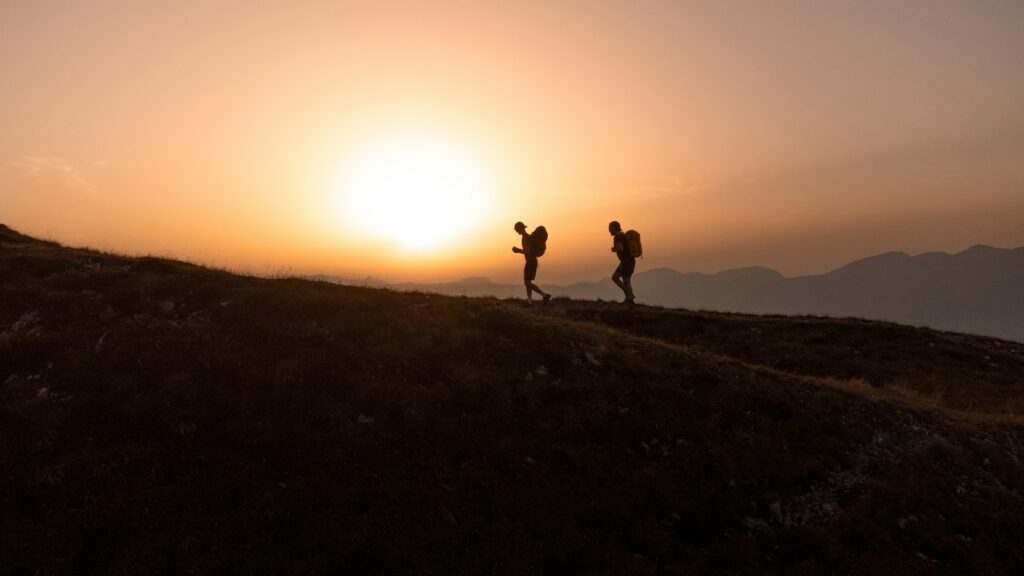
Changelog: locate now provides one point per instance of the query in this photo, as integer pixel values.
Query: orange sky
(796, 135)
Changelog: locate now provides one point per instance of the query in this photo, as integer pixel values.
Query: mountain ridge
(974, 290)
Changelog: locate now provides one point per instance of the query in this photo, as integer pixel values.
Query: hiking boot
(546, 298)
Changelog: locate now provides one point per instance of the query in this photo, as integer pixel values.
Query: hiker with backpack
(533, 248)
(627, 247)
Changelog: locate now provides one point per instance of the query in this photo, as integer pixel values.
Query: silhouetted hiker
(627, 262)
(534, 246)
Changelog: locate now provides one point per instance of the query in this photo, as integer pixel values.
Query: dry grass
(983, 399)
(963, 374)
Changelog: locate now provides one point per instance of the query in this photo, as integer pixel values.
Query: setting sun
(416, 192)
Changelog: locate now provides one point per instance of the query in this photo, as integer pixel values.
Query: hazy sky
(796, 135)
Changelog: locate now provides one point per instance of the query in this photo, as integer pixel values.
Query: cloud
(50, 165)
(784, 217)
(672, 190)
(623, 192)
(111, 164)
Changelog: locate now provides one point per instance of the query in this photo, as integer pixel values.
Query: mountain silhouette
(979, 290)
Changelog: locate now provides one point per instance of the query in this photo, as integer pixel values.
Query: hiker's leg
(535, 288)
(617, 278)
(529, 273)
(542, 293)
(626, 272)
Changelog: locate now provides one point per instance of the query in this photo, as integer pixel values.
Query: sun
(419, 192)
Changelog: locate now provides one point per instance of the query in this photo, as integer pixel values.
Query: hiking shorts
(530, 270)
(626, 268)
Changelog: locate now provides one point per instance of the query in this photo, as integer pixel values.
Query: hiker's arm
(517, 250)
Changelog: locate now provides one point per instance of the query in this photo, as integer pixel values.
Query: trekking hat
(519, 226)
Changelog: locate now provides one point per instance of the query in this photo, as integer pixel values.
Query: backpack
(538, 241)
(636, 249)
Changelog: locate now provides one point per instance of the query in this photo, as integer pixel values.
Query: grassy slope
(977, 377)
(159, 417)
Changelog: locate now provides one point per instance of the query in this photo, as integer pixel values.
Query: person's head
(614, 227)
(519, 227)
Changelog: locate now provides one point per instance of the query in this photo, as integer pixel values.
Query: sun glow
(416, 192)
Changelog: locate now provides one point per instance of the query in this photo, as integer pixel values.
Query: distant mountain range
(979, 290)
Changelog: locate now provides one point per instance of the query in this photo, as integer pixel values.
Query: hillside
(157, 417)
(976, 291)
